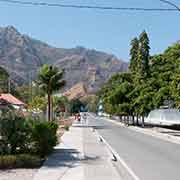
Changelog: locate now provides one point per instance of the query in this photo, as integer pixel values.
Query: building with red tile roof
(10, 99)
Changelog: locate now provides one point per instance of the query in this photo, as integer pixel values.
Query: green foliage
(143, 54)
(24, 93)
(7, 161)
(61, 103)
(117, 97)
(91, 102)
(44, 137)
(75, 106)
(175, 89)
(20, 135)
(38, 104)
(50, 80)
(28, 161)
(134, 55)
(19, 161)
(27, 93)
(5, 82)
(155, 80)
(14, 132)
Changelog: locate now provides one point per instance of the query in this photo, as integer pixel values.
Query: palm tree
(50, 80)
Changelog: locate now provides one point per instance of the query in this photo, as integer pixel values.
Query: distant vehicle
(163, 117)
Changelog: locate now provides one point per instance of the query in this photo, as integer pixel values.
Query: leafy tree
(134, 55)
(24, 93)
(143, 54)
(75, 106)
(118, 100)
(155, 81)
(61, 106)
(91, 101)
(60, 102)
(50, 80)
(38, 103)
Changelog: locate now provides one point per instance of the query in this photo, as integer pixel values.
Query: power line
(86, 6)
(170, 3)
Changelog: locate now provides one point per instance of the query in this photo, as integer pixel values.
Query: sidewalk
(80, 156)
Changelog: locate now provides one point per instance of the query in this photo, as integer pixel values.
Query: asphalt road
(148, 157)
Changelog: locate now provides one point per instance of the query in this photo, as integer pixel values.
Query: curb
(115, 156)
(111, 152)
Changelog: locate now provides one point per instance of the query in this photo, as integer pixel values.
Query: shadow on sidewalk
(67, 158)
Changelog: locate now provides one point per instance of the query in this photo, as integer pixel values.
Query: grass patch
(19, 161)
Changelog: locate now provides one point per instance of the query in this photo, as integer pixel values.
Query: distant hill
(22, 56)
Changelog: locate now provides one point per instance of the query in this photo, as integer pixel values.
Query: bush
(19, 135)
(28, 161)
(14, 132)
(44, 136)
(7, 161)
(19, 161)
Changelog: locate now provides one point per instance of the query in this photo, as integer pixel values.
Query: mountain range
(22, 56)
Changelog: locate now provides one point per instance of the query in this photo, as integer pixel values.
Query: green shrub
(14, 132)
(7, 161)
(27, 161)
(19, 161)
(44, 136)
(19, 135)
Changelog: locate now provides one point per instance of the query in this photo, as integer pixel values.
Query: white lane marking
(117, 156)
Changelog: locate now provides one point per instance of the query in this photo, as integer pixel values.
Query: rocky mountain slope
(22, 56)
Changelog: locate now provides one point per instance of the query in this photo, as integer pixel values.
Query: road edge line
(117, 157)
(165, 137)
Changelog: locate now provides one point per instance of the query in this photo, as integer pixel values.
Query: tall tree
(143, 54)
(50, 80)
(134, 55)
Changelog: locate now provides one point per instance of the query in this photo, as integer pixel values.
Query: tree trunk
(124, 120)
(128, 119)
(137, 121)
(133, 120)
(52, 110)
(120, 118)
(49, 107)
(143, 121)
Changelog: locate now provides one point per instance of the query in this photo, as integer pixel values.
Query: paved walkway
(80, 156)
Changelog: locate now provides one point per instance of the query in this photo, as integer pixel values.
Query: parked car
(163, 117)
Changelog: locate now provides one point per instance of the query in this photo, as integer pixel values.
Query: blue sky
(109, 31)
